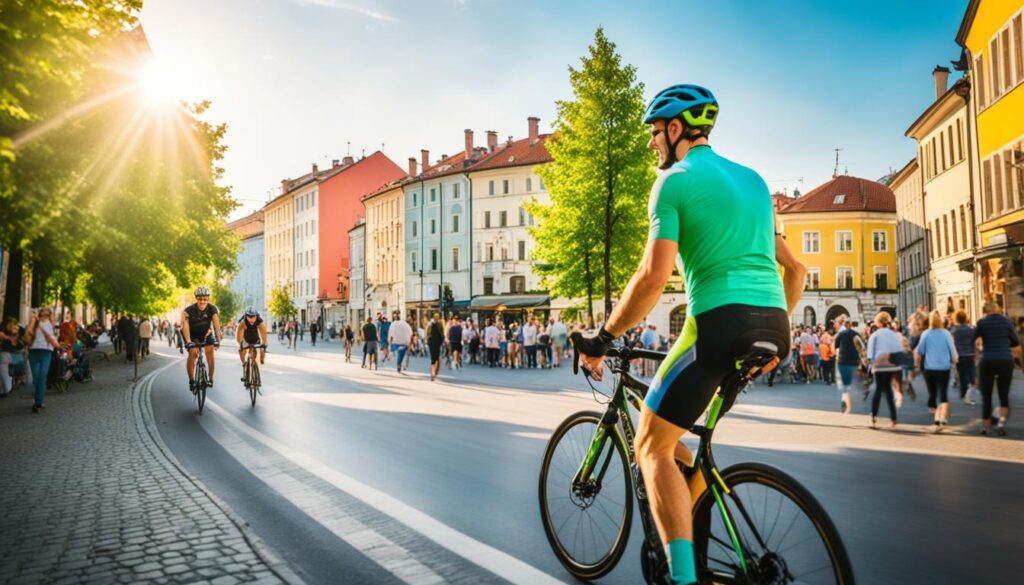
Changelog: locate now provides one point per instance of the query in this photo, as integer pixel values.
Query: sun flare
(156, 83)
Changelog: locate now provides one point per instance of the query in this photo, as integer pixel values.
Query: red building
(341, 191)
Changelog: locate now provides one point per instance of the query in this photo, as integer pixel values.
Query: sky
(306, 81)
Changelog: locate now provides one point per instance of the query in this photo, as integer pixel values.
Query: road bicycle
(752, 524)
(251, 371)
(201, 378)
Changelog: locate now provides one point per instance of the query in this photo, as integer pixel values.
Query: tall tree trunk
(15, 274)
(590, 286)
(38, 279)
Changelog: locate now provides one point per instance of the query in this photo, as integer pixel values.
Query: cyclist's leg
(190, 363)
(209, 361)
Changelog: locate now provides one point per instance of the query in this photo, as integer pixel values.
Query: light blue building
(437, 229)
(247, 281)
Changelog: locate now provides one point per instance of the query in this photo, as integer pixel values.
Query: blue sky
(297, 79)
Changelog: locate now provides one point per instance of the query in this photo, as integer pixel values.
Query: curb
(145, 423)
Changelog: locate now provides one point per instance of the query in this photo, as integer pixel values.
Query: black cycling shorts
(698, 363)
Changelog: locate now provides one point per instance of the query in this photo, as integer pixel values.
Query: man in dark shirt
(370, 342)
(200, 323)
(455, 342)
(1000, 346)
(847, 360)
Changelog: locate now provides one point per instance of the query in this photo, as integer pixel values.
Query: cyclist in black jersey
(251, 331)
(200, 323)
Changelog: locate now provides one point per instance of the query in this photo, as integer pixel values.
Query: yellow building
(278, 221)
(385, 245)
(992, 35)
(844, 233)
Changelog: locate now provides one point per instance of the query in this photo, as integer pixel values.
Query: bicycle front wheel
(587, 523)
(201, 382)
(784, 533)
(254, 381)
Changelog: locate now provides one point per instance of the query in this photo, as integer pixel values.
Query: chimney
(314, 169)
(424, 159)
(532, 122)
(348, 160)
(509, 143)
(284, 186)
(412, 166)
(941, 77)
(492, 140)
(334, 163)
(469, 143)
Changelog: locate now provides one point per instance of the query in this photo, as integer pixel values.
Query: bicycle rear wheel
(201, 382)
(587, 525)
(786, 536)
(253, 380)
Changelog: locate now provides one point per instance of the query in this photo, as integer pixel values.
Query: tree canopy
(591, 236)
(281, 304)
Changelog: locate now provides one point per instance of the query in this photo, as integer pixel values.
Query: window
(502, 218)
(455, 258)
(987, 186)
(522, 249)
(1007, 63)
(811, 243)
(455, 224)
(433, 258)
(963, 227)
(942, 150)
(949, 144)
(433, 226)
(844, 241)
(490, 187)
(455, 190)
(529, 184)
(488, 285)
(839, 199)
(504, 252)
(879, 241)
(979, 71)
(1018, 47)
(997, 182)
(1008, 175)
(952, 232)
(312, 225)
(490, 252)
(522, 216)
(415, 199)
(945, 234)
(414, 229)
(993, 57)
(959, 139)
(433, 195)
(517, 284)
(487, 219)
(504, 186)
(844, 277)
(813, 280)
(413, 261)
(882, 277)
(540, 183)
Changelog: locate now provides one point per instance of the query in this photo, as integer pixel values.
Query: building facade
(341, 191)
(356, 306)
(385, 245)
(278, 245)
(843, 232)
(502, 186)
(911, 251)
(941, 138)
(305, 203)
(247, 281)
(992, 36)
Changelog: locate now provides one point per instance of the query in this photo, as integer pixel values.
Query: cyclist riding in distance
(251, 331)
(200, 322)
(717, 217)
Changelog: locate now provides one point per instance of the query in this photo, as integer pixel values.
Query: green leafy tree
(591, 237)
(228, 302)
(281, 305)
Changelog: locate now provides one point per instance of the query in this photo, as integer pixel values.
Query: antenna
(835, 171)
(382, 147)
(348, 148)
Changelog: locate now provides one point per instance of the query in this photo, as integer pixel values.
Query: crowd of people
(947, 351)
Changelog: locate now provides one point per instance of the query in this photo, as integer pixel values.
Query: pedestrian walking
(881, 345)
(808, 353)
(12, 355)
(849, 356)
(399, 336)
(491, 343)
(42, 340)
(935, 356)
(435, 339)
(530, 342)
(145, 334)
(471, 337)
(347, 339)
(999, 346)
(963, 340)
(312, 332)
(370, 341)
(826, 352)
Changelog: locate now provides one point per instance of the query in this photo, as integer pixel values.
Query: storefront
(509, 308)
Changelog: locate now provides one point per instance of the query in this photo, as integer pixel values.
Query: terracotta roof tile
(519, 153)
(859, 195)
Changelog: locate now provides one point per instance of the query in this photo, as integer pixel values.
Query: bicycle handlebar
(195, 344)
(623, 353)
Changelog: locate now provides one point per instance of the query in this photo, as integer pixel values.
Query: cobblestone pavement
(88, 495)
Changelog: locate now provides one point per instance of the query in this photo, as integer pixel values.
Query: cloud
(367, 12)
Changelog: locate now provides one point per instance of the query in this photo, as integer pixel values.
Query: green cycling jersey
(720, 214)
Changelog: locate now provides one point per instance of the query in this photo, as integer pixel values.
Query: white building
(911, 243)
(357, 273)
(306, 249)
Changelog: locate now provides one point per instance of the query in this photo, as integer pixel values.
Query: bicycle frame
(631, 391)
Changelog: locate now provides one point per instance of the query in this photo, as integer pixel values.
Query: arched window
(676, 320)
(810, 318)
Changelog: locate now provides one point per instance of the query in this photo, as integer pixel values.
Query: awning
(500, 302)
(999, 251)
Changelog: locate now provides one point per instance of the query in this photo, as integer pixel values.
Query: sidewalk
(89, 496)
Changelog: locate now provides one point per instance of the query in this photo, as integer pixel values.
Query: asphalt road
(375, 477)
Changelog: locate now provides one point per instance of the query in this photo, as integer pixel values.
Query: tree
(591, 237)
(227, 301)
(281, 304)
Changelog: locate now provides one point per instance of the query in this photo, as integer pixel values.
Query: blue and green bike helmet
(684, 101)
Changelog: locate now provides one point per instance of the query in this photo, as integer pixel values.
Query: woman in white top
(42, 341)
(882, 343)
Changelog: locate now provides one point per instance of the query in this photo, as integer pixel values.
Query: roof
(861, 195)
(902, 174)
(246, 226)
(936, 107)
(519, 153)
(965, 24)
(390, 185)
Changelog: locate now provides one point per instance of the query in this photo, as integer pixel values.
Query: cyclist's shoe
(192, 386)
(1001, 430)
(242, 379)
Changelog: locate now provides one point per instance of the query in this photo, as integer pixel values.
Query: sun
(157, 84)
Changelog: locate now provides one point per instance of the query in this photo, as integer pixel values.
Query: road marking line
(386, 553)
(474, 551)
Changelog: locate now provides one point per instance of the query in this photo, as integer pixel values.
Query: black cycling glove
(594, 344)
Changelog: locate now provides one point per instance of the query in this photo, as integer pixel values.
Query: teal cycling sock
(680, 561)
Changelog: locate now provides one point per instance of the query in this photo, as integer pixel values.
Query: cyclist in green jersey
(716, 216)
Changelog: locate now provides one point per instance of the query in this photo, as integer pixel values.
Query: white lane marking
(386, 553)
(487, 557)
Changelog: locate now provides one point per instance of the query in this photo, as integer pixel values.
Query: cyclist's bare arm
(794, 272)
(240, 330)
(216, 329)
(184, 328)
(263, 332)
